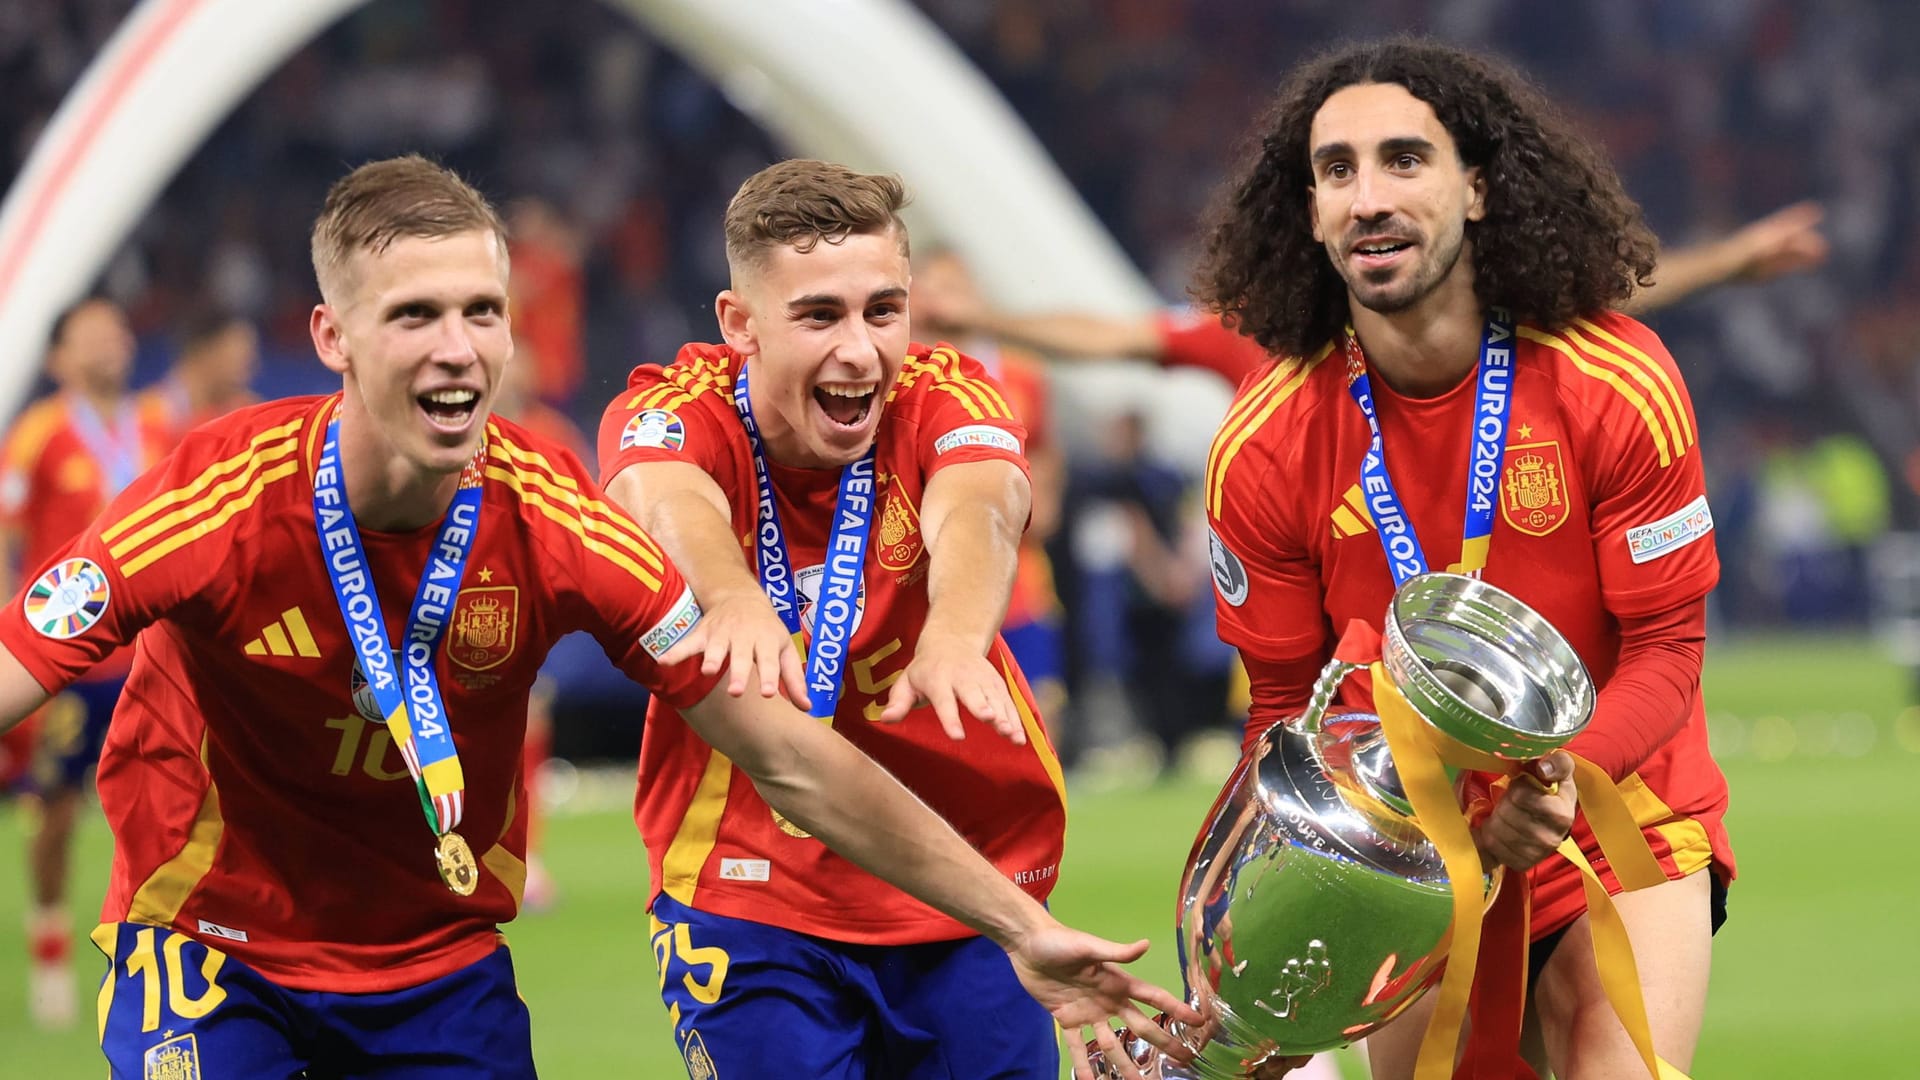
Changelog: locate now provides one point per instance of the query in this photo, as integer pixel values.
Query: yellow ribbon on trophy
(1420, 754)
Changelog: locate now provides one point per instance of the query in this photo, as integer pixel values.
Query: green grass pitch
(1812, 973)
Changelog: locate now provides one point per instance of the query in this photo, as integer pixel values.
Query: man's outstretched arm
(1784, 242)
(821, 782)
(686, 513)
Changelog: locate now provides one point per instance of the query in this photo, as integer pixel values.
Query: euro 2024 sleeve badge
(68, 599)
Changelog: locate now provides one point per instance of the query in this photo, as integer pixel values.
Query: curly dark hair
(1560, 237)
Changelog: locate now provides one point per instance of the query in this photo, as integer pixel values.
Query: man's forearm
(700, 542)
(1681, 273)
(970, 574)
(1073, 336)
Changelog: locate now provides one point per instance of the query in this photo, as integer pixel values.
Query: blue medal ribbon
(1493, 400)
(409, 698)
(839, 596)
(118, 451)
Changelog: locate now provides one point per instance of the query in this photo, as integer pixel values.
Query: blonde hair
(801, 202)
(381, 201)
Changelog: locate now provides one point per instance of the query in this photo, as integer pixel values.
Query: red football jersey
(713, 843)
(52, 483)
(1190, 338)
(255, 803)
(1602, 515)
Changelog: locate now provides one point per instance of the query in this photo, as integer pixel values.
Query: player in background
(847, 505)
(66, 456)
(1033, 629)
(1453, 390)
(316, 807)
(211, 376)
(1784, 242)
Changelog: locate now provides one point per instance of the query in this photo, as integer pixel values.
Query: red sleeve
(964, 416)
(1652, 527)
(1267, 588)
(1280, 689)
(636, 427)
(1650, 697)
(1199, 339)
(96, 595)
(621, 588)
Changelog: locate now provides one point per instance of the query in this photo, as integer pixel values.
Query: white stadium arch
(887, 91)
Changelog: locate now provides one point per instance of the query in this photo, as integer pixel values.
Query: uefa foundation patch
(1648, 542)
(668, 631)
(70, 597)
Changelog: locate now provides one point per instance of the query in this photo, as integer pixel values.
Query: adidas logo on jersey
(1350, 515)
(286, 636)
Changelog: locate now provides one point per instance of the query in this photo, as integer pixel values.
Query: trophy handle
(1324, 687)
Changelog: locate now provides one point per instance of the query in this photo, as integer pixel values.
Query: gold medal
(457, 868)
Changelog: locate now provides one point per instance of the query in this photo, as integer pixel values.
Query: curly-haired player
(1435, 258)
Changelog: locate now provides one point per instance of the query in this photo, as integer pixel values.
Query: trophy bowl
(1485, 668)
(1313, 909)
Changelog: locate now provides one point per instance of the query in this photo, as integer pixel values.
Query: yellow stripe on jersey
(106, 938)
(158, 901)
(270, 445)
(509, 869)
(595, 516)
(1036, 733)
(706, 379)
(676, 377)
(949, 369)
(1678, 430)
(1238, 412)
(1658, 369)
(682, 383)
(1686, 838)
(1227, 444)
(534, 494)
(1612, 379)
(699, 830)
(206, 526)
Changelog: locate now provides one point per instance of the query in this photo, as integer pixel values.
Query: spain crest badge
(899, 533)
(177, 1058)
(1533, 495)
(485, 624)
(699, 1062)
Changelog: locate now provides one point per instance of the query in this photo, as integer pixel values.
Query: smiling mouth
(449, 408)
(846, 406)
(1382, 250)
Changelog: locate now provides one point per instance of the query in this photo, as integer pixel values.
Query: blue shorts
(1037, 646)
(173, 1007)
(753, 1000)
(73, 728)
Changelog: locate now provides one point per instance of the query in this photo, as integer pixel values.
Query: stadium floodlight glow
(892, 94)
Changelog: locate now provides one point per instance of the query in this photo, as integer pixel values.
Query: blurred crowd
(613, 155)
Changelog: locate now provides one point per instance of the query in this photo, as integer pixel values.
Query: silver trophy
(1313, 908)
